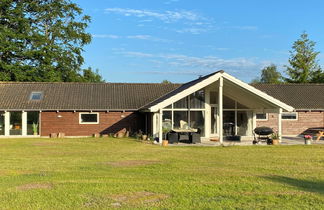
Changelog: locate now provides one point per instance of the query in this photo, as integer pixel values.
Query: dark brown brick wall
(305, 121)
(109, 122)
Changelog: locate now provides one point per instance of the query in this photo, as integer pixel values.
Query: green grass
(122, 173)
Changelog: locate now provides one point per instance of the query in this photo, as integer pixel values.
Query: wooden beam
(220, 109)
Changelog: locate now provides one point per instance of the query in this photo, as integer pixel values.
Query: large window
(167, 121)
(89, 118)
(180, 120)
(187, 113)
(32, 123)
(197, 100)
(181, 104)
(15, 123)
(197, 121)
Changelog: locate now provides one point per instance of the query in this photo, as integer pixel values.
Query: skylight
(36, 96)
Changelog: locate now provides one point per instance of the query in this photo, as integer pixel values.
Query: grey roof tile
(300, 96)
(81, 96)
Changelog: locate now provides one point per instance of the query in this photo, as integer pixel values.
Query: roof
(135, 96)
(300, 96)
(179, 89)
(202, 82)
(80, 96)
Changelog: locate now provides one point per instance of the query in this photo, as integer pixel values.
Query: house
(217, 105)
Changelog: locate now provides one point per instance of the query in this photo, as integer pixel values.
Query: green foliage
(166, 82)
(91, 76)
(42, 40)
(255, 80)
(108, 173)
(270, 74)
(303, 62)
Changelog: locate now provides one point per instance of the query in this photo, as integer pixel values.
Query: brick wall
(110, 122)
(305, 121)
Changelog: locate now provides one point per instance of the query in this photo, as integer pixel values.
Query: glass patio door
(15, 123)
(229, 123)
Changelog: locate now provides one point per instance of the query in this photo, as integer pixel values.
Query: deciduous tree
(42, 40)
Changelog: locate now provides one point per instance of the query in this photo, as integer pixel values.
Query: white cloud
(148, 37)
(192, 30)
(136, 54)
(201, 63)
(109, 36)
(244, 28)
(166, 16)
(177, 72)
(140, 37)
(209, 62)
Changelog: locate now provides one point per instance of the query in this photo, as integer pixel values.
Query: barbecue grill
(262, 134)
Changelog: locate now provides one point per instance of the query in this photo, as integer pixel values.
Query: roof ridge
(289, 84)
(91, 83)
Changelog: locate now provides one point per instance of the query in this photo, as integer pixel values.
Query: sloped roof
(80, 96)
(179, 89)
(300, 96)
(134, 96)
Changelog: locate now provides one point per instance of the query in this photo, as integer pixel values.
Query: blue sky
(178, 40)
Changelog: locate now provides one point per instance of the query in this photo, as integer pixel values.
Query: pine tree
(303, 62)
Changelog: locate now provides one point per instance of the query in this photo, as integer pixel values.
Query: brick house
(218, 105)
(308, 101)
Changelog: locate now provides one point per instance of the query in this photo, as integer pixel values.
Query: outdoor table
(186, 131)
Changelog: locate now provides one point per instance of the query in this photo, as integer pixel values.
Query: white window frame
(283, 113)
(266, 119)
(88, 123)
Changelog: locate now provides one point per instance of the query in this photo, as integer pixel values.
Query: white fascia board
(186, 92)
(259, 93)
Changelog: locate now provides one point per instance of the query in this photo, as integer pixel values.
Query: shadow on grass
(305, 185)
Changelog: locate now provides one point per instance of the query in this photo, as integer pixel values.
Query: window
(32, 123)
(89, 118)
(289, 116)
(197, 100)
(15, 123)
(36, 96)
(261, 116)
(181, 104)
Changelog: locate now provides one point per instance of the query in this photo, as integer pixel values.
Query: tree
(42, 40)
(303, 66)
(255, 81)
(91, 76)
(166, 82)
(269, 74)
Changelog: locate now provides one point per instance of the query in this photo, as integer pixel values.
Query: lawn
(123, 173)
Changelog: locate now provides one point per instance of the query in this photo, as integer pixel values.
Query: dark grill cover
(263, 131)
